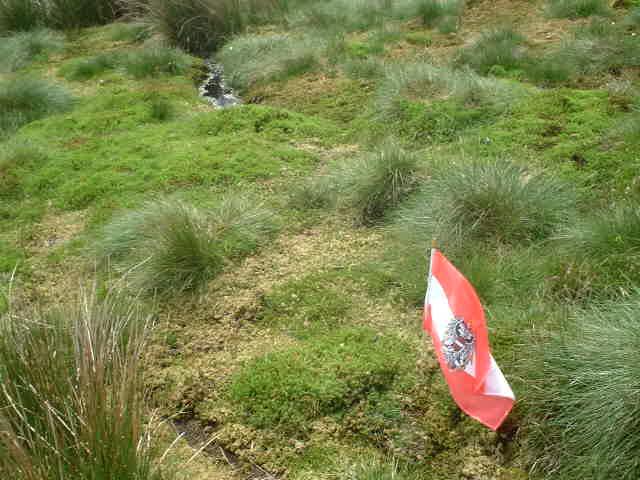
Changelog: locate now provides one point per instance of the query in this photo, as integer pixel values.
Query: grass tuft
(161, 109)
(315, 193)
(253, 59)
(632, 20)
(21, 49)
(376, 470)
(23, 100)
(196, 26)
(148, 62)
(72, 404)
(498, 48)
(598, 47)
(129, 32)
(416, 81)
(425, 103)
(363, 68)
(169, 247)
(603, 253)
(585, 399)
(378, 183)
(443, 14)
(577, 8)
(69, 14)
(142, 63)
(87, 68)
(497, 201)
(20, 15)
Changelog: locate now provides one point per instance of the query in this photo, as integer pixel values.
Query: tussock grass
(363, 68)
(152, 61)
(315, 193)
(141, 63)
(425, 103)
(84, 69)
(19, 50)
(424, 80)
(23, 100)
(549, 70)
(623, 93)
(344, 15)
(598, 47)
(21, 15)
(495, 201)
(196, 26)
(377, 183)
(72, 400)
(68, 14)
(603, 253)
(169, 247)
(584, 402)
(498, 48)
(161, 109)
(488, 217)
(443, 14)
(129, 32)
(24, 15)
(369, 186)
(632, 20)
(375, 470)
(577, 8)
(251, 59)
(502, 275)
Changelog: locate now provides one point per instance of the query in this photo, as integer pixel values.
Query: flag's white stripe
(496, 384)
(441, 315)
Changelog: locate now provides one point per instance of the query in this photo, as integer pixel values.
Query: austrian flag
(455, 319)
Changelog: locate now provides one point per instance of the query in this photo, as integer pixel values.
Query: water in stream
(214, 88)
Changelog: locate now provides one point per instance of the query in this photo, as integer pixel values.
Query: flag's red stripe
(490, 410)
(464, 302)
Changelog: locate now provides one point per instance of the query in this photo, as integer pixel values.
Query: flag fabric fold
(454, 317)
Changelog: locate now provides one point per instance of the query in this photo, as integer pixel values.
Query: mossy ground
(306, 357)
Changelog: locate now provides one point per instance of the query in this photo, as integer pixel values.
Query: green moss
(288, 389)
(439, 121)
(307, 307)
(364, 49)
(565, 130)
(11, 257)
(421, 39)
(340, 100)
(16, 158)
(109, 149)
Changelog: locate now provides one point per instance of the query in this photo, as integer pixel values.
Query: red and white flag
(455, 319)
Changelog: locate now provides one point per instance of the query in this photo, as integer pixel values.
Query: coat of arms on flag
(455, 319)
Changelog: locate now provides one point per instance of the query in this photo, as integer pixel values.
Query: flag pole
(434, 246)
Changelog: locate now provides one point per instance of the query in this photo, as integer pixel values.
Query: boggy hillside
(196, 292)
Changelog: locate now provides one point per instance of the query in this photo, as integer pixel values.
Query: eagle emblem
(458, 344)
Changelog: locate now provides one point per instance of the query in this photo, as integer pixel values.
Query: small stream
(214, 88)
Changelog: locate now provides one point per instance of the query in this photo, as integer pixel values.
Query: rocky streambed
(214, 88)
